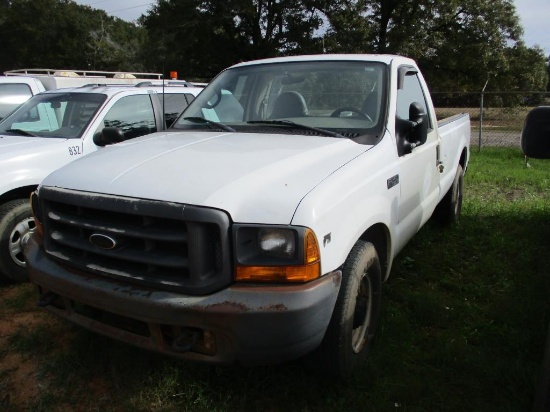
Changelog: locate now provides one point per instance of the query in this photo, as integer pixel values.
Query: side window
(133, 115)
(11, 96)
(411, 92)
(174, 103)
(190, 97)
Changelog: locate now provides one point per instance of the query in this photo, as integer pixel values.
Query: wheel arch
(23, 192)
(379, 236)
(464, 157)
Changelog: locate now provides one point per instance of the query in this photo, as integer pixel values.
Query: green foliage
(60, 34)
(459, 44)
(200, 38)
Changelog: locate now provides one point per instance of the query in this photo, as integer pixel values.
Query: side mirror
(535, 136)
(109, 135)
(417, 115)
(412, 132)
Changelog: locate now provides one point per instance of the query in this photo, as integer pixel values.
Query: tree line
(460, 45)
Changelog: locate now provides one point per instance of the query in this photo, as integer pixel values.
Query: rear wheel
(449, 209)
(16, 224)
(351, 329)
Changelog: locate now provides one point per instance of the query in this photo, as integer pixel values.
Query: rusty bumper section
(249, 324)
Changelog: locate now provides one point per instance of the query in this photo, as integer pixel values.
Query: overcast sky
(534, 15)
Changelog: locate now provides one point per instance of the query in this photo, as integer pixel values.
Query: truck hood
(27, 160)
(10, 145)
(257, 178)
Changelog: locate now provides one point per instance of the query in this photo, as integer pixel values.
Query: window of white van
(12, 95)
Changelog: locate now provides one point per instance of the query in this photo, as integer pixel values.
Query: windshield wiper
(197, 119)
(22, 132)
(288, 123)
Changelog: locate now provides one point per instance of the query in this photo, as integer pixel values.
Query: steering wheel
(358, 112)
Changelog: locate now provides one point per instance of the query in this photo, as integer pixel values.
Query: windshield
(342, 97)
(64, 115)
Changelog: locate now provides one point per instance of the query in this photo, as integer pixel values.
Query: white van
(17, 86)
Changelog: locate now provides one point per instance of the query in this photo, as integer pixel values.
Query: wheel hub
(18, 238)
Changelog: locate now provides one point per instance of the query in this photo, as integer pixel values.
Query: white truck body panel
(34, 84)
(282, 168)
(288, 179)
(189, 164)
(55, 127)
(16, 90)
(27, 160)
(454, 134)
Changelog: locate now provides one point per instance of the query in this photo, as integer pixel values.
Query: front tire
(349, 335)
(16, 224)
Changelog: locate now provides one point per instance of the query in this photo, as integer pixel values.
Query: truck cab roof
(67, 112)
(381, 58)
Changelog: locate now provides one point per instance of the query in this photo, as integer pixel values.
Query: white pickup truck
(55, 127)
(261, 226)
(17, 86)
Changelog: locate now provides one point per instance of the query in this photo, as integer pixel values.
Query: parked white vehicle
(17, 90)
(261, 227)
(56, 127)
(17, 86)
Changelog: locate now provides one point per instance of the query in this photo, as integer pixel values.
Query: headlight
(276, 254)
(277, 242)
(36, 212)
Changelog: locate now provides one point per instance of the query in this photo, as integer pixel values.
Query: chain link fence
(496, 117)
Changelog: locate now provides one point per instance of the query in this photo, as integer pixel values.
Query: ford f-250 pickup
(56, 127)
(261, 227)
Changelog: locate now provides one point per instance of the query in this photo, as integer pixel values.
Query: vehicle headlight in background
(276, 254)
(36, 212)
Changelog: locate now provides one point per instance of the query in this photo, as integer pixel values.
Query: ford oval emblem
(103, 241)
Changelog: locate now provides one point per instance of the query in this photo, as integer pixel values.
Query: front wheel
(16, 224)
(349, 335)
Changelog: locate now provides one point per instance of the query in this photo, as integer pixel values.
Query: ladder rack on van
(81, 73)
(53, 79)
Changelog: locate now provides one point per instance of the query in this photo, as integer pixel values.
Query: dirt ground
(18, 373)
(25, 383)
(21, 380)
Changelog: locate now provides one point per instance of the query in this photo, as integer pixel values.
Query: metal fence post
(481, 116)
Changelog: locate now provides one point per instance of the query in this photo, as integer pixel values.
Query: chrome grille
(157, 244)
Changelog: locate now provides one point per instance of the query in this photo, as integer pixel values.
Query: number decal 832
(74, 150)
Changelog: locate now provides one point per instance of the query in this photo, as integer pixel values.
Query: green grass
(464, 321)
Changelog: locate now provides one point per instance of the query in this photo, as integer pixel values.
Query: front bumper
(245, 323)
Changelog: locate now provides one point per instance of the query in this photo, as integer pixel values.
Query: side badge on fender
(393, 181)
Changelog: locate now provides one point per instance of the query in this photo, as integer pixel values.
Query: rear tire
(449, 209)
(349, 335)
(16, 224)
